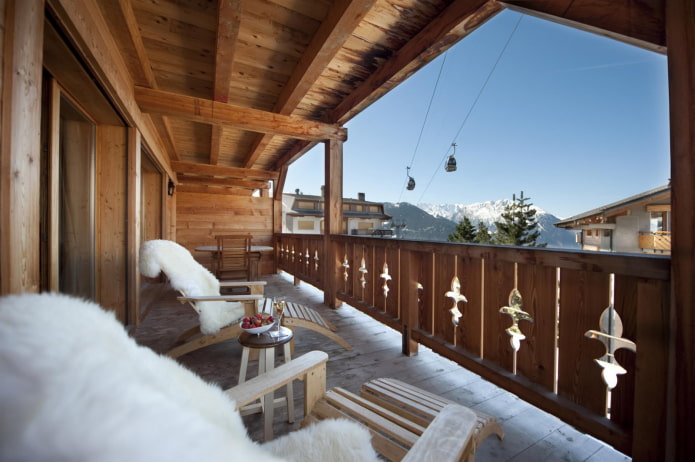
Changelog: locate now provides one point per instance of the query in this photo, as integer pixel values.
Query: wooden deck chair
(219, 315)
(233, 260)
(297, 315)
(449, 436)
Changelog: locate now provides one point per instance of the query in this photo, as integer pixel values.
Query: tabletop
(213, 248)
(267, 339)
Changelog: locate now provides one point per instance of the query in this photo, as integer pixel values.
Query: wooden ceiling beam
(161, 123)
(640, 23)
(214, 190)
(219, 170)
(451, 25)
(228, 21)
(213, 112)
(341, 21)
(229, 182)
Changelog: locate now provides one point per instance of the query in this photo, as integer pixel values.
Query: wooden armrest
(446, 437)
(216, 298)
(242, 283)
(310, 367)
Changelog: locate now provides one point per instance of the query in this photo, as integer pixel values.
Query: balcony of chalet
(530, 433)
(550, 327)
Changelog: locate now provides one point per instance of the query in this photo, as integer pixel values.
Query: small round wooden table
(266, 344)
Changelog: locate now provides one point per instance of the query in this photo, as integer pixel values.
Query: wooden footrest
(421, 407)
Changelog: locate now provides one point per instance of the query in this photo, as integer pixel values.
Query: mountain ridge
(434, 222)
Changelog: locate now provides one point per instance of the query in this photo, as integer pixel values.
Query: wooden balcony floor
(530, 434)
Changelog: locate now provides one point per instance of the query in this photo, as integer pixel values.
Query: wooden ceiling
(238, 89)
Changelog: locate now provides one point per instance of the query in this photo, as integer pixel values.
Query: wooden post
(134, 212)
(680, 41)
(20, 145)
(333, 218)
(409, 300)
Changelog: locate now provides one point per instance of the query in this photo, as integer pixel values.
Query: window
(305, 225)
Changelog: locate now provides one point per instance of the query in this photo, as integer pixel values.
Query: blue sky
(573, 119)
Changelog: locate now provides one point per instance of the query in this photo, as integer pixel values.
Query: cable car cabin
(411, 183)
(450, 164)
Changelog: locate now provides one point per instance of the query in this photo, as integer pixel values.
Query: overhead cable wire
(427, 113)
(482, 88)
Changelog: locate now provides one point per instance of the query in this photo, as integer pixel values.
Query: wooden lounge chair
(219, 314)
(453, 433)
(297, 315)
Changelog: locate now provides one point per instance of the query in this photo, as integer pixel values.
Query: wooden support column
(134, 216)
(333, 214)
(20, 145)
(680, 42)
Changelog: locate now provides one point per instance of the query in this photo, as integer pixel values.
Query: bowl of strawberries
(257, 324)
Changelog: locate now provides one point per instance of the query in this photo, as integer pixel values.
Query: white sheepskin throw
(75, 387)
(191, 279)
(336, 440)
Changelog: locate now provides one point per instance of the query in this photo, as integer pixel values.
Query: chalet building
(131, 120)
(640, 223)
(303, 213)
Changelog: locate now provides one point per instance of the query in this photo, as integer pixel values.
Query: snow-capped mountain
(488, 211)
(434, 222)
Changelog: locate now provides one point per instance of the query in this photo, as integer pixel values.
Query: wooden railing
(414, 286)
(656, 241)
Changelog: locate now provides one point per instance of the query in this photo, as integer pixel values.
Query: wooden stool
(265, 343)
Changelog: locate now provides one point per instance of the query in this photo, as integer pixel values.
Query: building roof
(662, 193)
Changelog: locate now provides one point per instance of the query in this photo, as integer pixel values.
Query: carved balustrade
(582, 335)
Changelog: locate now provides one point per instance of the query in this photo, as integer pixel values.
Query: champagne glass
(279, 306)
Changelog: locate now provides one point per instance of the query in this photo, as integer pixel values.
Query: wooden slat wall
(199, 217)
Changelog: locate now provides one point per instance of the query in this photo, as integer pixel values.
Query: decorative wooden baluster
(363, 270)
(292, 254)
(386, 277)
(316, 260)
(517, 314)
(611, 336)
(456, 296)
(346, 265)
(306, 258)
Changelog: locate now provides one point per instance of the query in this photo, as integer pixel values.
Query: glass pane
(76, 177)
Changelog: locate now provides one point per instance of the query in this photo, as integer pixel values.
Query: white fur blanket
(74, 386)
(190, 278)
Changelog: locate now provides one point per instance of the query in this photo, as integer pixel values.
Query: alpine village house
(129, 120)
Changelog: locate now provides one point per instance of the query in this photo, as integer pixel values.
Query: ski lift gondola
(411, 181)
(451, 162)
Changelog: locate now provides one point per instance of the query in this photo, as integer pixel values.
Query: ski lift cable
(482, 88)
(427, 113)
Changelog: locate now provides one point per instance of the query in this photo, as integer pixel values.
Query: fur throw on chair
(74, 386)
(191, 279)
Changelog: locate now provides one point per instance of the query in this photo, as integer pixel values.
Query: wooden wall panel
(499, 281)
(112, 213)
(583, 297)
(20, 148)
(444, 272)
(536, 357)
(199, 217)
(469, 334)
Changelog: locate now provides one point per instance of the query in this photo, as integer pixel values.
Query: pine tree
(483, 235)
(464, 232)
(519, 225)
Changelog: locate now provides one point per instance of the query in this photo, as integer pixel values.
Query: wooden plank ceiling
(238, 89)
